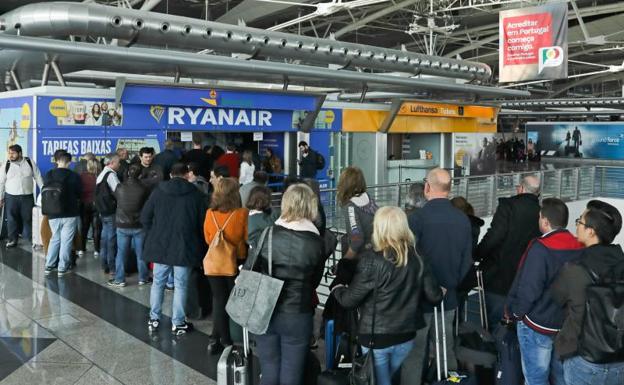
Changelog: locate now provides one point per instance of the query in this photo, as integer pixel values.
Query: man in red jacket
(231, 160)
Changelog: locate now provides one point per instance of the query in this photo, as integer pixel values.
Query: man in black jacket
(515, 224)
(65, 223)
(151, 174)
(307, 161)
(173, 218)
(131, 195)
(444, 237)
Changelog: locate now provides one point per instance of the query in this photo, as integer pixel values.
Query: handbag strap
(270, 251)
(258, 248)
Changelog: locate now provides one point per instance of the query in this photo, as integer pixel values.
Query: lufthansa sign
(446, 110)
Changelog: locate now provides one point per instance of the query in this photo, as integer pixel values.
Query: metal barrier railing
(483, 192)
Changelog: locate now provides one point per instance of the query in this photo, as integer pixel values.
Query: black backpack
(601, 340)
(320, 161)
(105, 202)
(52, 198)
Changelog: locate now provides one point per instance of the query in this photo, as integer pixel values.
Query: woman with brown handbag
(225, 231)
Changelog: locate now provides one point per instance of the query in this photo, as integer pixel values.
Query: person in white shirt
(108, 240)
(247, 168)
(16, 193)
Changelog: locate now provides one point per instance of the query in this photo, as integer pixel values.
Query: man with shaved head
(444, 239)
(515, 224)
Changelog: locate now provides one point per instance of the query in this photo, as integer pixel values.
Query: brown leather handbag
(220, 260)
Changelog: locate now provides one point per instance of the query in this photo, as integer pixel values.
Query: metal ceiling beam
(381, 13)
(233, 65)
(155, 29)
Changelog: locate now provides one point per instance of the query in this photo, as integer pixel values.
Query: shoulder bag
(253, 299)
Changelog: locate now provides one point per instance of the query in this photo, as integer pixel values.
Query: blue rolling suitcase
(444, 376)
(509, 365)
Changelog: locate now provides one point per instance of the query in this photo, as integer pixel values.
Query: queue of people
(397, 264)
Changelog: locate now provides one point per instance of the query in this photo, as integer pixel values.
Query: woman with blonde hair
(225, 214)
(387, 285)
(297, 255)
(247, 168)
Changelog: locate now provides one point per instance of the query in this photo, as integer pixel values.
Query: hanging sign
(533, 43)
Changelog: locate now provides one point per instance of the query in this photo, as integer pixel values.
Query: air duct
(61, 19)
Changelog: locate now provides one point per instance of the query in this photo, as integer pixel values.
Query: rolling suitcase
(475, 345)
(37, 242)
(236, 365)
(444, 377)
(509, 365)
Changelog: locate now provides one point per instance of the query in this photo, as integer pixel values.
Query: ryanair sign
(218, 117)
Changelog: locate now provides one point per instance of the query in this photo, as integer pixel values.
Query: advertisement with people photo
(86, 112)
(594, 140)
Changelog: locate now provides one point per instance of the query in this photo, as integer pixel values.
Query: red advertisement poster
(533, 43)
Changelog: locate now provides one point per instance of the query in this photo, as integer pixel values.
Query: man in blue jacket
(444, 236)
(530, 302)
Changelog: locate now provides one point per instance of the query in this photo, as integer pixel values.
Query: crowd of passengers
(398, 263)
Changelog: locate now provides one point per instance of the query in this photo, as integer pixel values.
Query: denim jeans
(19, 212)
(539, 363)
(578, 371)
(108, 242)
(125, 238)
(181, 277)
(283, 349)
(63, 231)
(388, 360)
(170, 279)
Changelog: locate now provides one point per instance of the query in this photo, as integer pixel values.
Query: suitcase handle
(443, 355)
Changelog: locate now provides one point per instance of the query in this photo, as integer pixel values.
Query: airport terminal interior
(290, 192)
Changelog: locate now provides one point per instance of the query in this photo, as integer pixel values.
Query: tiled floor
(75, 330)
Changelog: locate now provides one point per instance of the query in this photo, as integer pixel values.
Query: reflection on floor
(73, 330)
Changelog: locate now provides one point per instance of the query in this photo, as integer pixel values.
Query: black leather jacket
(399, 290)
(298, 261)
(131, 195)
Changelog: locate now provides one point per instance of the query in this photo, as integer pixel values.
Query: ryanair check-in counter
(422, 135)
(251, 119)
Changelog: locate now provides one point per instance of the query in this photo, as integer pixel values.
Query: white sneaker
(80, 253)
(96, 254)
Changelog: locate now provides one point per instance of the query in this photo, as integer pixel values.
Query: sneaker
(80, 253)
(114, 283)
(61, 273)
(11, 244)
(169, 288)
(49, 270)
(182, 329)
(145, 282)
(153, 324)
(96, 254)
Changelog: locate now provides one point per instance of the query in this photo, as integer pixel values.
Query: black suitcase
(237, 365)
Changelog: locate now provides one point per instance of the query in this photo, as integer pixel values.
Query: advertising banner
(533, 43)
(15, 123)
(99, 141)
(594, 140)
(477, 153)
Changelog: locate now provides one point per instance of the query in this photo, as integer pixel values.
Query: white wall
(576, 209)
